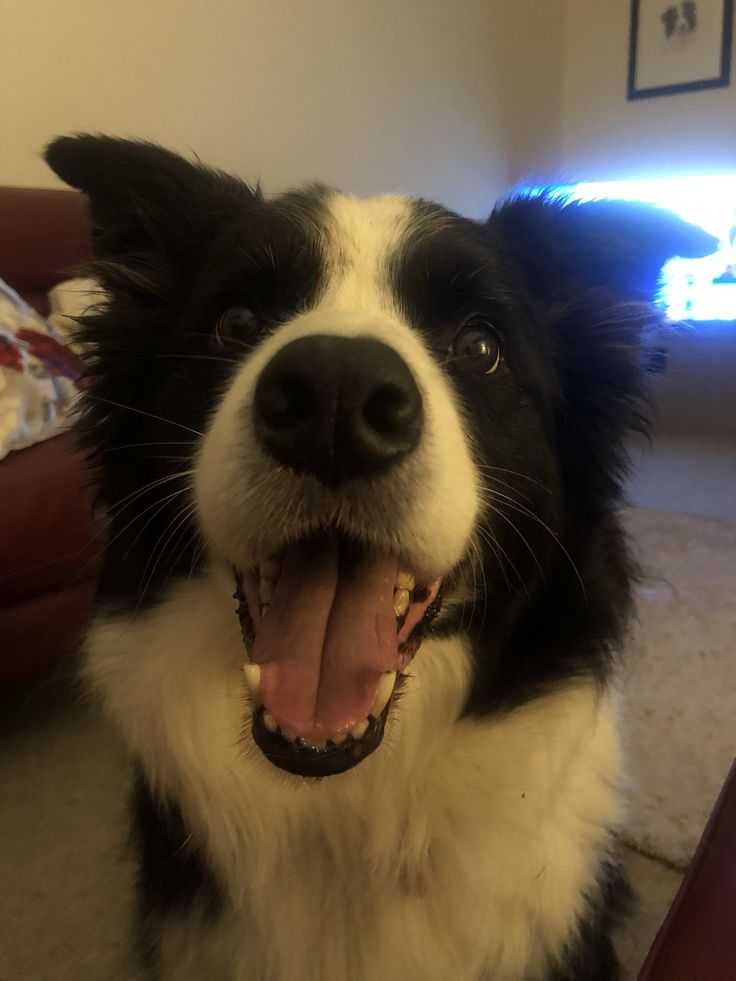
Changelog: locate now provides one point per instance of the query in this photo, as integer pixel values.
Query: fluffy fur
(475, 842)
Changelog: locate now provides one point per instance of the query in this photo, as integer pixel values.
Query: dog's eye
(234, 324)
(477, 348)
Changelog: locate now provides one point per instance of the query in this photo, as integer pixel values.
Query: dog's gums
(329, 628)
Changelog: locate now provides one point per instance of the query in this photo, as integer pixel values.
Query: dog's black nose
(337, 407)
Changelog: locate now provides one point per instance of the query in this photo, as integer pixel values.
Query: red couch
(47, 557)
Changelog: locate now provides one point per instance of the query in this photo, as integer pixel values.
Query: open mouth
(330, 627)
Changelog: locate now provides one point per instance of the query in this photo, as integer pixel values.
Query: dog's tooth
(401, 601)
(252, 674)
(385, 687)
(270, 723)
(288, 734)
(359, 730)
(405, 581)
(339, 739)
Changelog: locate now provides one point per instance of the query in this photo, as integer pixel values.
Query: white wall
(442, 98)
(604, 136)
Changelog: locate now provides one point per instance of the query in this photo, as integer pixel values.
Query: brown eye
(235, 324)
(477, 348)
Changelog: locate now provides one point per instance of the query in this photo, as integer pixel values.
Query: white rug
(679, 705)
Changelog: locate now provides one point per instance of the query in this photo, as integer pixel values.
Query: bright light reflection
(688, 289)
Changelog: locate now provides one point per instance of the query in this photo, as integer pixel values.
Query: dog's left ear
(564, 246)
(593, 269)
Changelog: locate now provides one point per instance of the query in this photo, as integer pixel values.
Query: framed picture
(679, 46)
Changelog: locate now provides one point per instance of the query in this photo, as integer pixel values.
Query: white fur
(425, 510)
(458, 847)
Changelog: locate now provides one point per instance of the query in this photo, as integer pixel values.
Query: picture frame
(679, 46)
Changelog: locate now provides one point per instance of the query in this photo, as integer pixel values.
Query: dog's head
(382, 420)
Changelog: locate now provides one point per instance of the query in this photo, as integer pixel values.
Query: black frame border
(722, 80)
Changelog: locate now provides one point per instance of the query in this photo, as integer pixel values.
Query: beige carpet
(679, 679)
(65, 877)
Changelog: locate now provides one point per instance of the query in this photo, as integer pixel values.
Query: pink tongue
(326, 638)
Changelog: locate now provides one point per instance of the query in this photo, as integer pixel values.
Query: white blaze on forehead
(426, 508)
(362, 237)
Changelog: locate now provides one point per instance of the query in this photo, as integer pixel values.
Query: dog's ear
(565, 246)
(143, 198)
(592, 270)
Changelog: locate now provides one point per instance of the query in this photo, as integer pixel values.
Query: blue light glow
(692, 290)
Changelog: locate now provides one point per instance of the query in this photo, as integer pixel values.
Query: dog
(364, 579)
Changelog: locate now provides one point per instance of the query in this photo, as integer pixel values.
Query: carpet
(679, 679)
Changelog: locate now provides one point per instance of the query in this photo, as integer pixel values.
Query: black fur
(566, 288)
(591, 956)
(175, 244)
(174, 876)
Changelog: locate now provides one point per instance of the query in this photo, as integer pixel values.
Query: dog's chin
(329, 627)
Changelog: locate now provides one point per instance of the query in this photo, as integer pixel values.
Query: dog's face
(379, 421)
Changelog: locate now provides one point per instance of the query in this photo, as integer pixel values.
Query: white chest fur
(458, 850)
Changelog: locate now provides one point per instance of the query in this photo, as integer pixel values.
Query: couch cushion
(45, 520)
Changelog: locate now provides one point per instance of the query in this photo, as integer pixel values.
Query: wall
(604, 136)
(430, 97)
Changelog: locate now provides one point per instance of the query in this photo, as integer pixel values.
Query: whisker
(202, 357)
(165, 442)
(521, 509)
(533, 480)
(160, 505)
(493, 543)
(502, 514)
(484, 533)
(159, 548)
(143, 412)
(512, 487)
(115, 509)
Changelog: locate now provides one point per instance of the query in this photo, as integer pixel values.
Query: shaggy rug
(679, 679)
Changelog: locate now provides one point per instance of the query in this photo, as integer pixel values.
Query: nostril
(337, 407)
(286, 402)
(390, 410)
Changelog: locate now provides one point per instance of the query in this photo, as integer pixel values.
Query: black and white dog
(364, 575)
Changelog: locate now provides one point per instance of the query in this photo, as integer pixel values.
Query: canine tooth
(270, 723)
(405, 581)
(288, 734)
(339, 739)
(401, 601)
(252, 673)
(385, 687)
(358, 731)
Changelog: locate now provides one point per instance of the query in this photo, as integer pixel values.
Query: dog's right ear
(143, 198)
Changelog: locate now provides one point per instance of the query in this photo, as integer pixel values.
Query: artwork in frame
(679, 46)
